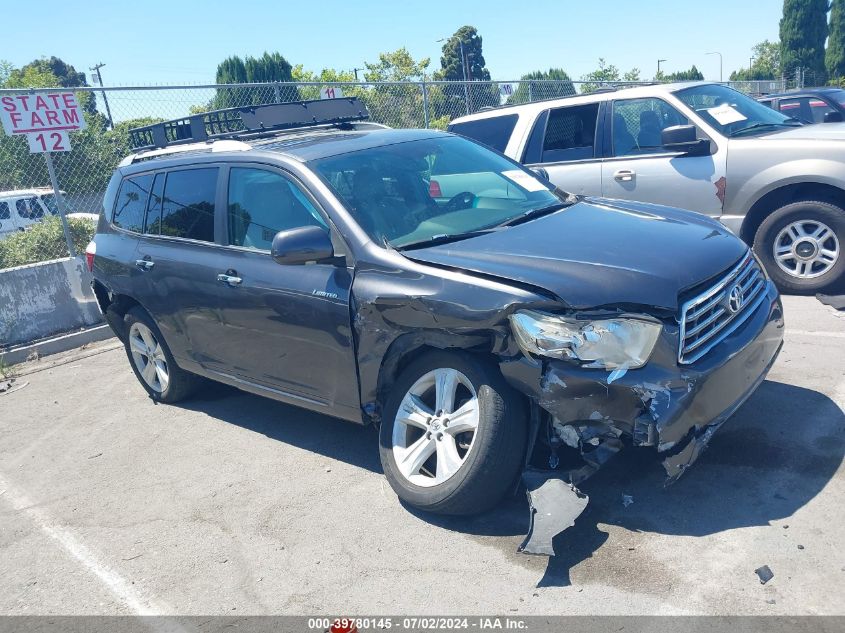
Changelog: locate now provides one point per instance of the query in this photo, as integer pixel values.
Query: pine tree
(835, 54)
(803, 31)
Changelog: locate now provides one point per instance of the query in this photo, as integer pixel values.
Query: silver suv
(774, 182)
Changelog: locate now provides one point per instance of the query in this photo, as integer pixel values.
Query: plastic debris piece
(764, 574)
(554, 505)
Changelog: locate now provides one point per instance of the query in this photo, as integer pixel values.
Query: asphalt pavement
(233, 504)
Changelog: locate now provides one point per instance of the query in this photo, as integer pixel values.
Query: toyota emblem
(735, 299)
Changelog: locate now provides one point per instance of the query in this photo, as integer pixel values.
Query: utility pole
(659, 61)
(96, 69)
(720, 63)
(355, 70)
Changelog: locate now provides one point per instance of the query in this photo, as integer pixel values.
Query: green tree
(536, 85)
(451, 64)
(472, 67)
(803, 31)
(607, 74)
(398, 104)
(765, 63)
(64, 75)
(835, 54)
(269, 67)
(692, 74)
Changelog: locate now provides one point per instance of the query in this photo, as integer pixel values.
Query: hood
(600, 252)
(818, 131)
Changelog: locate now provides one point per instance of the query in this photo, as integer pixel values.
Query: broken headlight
(603, 343)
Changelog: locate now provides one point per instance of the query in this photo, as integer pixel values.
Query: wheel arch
(787, 194)
(406, 348)
(114, 307)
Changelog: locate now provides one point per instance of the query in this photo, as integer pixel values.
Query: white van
(22, 208)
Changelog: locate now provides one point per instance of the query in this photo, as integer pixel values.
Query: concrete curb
(56, 344)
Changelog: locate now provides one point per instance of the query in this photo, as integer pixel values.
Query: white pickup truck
(776, 183)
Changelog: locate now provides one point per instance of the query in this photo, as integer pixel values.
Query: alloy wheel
(435, 427)
(148, 356)
(806, 249)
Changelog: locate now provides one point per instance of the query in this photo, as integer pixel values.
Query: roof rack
(248, 121)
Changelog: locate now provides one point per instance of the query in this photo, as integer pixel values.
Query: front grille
(711, 316)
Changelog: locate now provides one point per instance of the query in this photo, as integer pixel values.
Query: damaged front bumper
(672, 407)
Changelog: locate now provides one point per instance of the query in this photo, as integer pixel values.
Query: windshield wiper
(757, 126)
(534, 213)
(443, 238)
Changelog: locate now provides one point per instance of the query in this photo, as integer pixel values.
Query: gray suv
(776, 183)
(491, 324)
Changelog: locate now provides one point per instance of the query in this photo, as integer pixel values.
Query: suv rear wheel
(452, 439)
(801, 246)
(152, 361)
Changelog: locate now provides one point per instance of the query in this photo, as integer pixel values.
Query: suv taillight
(90, 251)
(434, 189)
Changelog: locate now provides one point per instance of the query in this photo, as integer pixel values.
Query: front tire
(801, 246)
(152, 361)
(453, 435)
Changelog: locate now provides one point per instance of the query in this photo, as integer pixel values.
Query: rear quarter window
(132, 202)
(4, 211)
(493, 131)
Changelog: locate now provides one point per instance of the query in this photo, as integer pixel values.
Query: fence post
(60, 202)
(425, 103)
(277, 92)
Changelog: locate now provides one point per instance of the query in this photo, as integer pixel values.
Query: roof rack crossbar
(248, 121)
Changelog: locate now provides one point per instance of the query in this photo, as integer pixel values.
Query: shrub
(44, 241)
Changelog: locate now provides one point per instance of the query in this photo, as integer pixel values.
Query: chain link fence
(29, 229)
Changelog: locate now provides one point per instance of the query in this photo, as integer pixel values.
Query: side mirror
(542, 173)
(833, 117)
(684, 138)
(301, 245)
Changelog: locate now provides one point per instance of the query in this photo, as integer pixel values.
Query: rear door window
(188, 204)
(570, 134)
(261, 203)
(494, 131)
(4, 211)
(131, 203)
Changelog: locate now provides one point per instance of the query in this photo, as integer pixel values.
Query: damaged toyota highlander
(494, 327)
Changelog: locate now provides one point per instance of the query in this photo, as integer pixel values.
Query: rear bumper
(675, 408)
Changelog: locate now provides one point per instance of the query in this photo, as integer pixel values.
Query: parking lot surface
(233, 504)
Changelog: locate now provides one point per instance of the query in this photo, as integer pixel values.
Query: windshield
(418, 191)
(731, 112)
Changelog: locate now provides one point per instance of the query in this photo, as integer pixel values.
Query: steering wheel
(463, 200)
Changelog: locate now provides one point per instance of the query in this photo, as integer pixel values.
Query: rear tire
(801, 245)
(152, 362)
(463, 458)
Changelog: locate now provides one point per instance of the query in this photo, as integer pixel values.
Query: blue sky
(158, 42)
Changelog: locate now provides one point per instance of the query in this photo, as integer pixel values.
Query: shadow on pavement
(770, 459)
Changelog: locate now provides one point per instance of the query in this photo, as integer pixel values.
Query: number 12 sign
(45, 119)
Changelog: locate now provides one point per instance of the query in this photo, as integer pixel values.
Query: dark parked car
(809, 105)
(418, 280)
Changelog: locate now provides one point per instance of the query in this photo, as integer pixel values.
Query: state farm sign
(46, 119)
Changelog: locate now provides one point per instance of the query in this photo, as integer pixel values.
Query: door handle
(232, 280)
(625, 175)
(144, 264)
